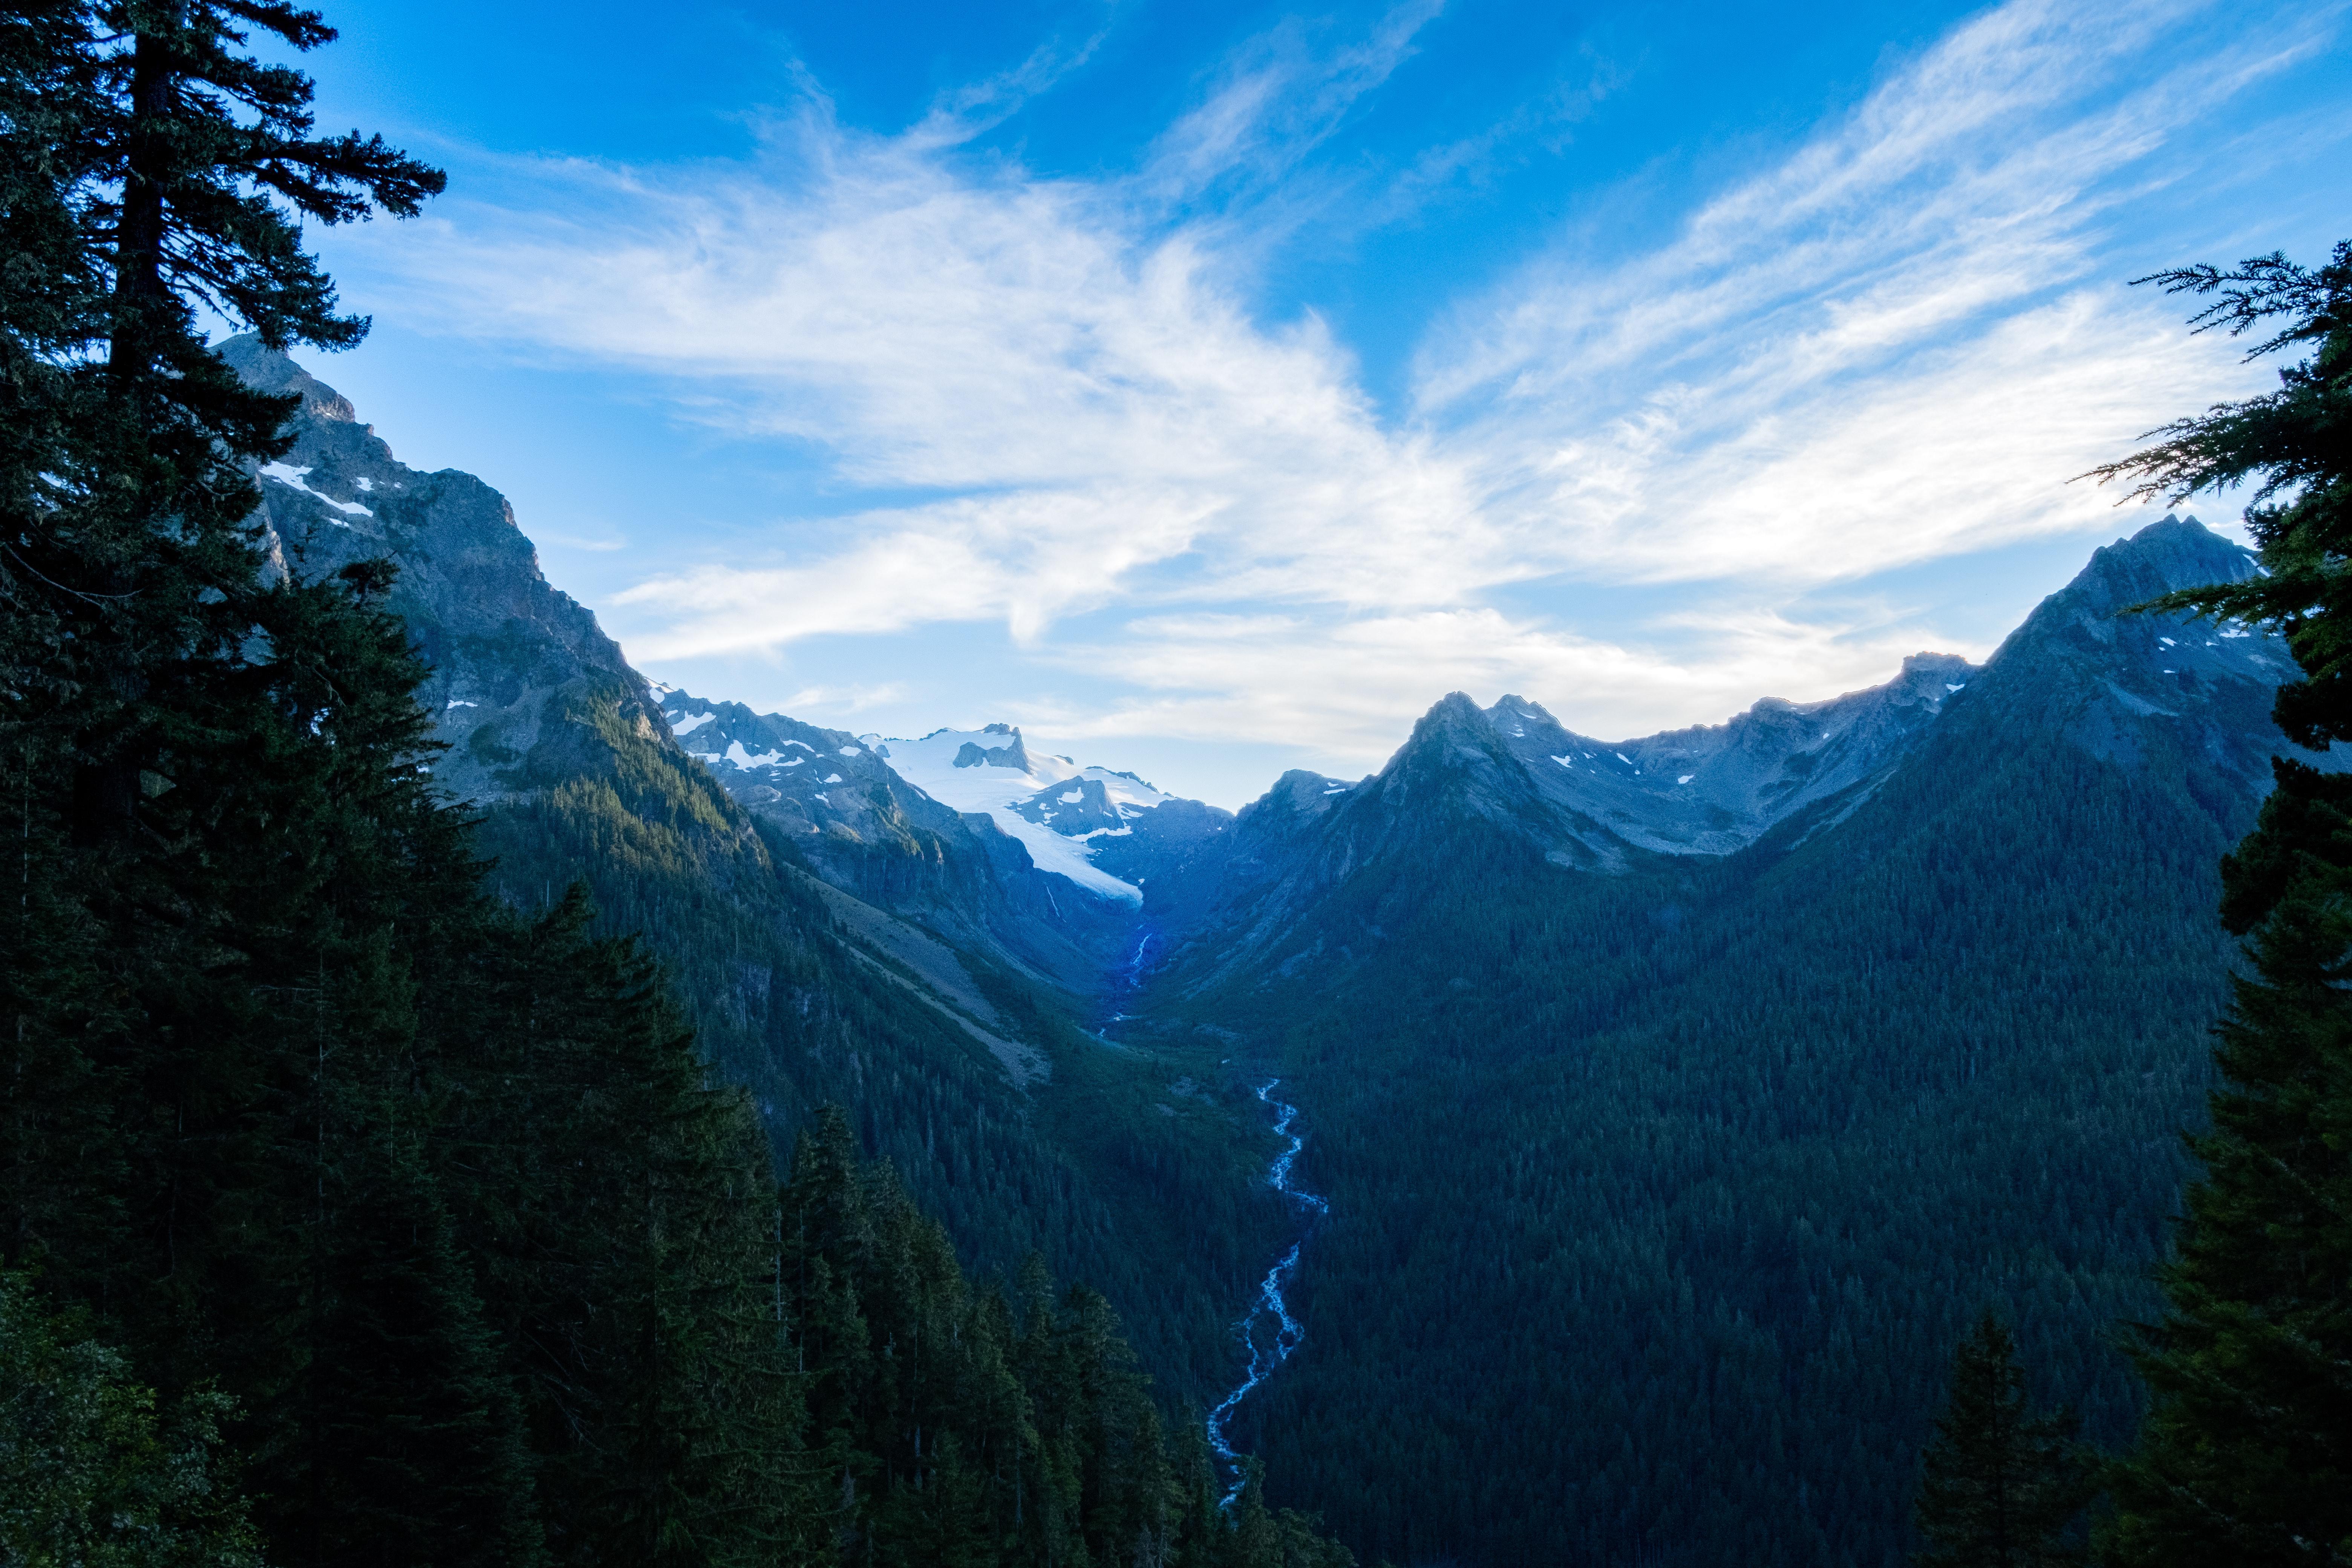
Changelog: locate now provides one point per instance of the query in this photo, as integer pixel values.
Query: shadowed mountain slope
(954, 1045)
(1578, 804)
(1661, 1184)
(1677, 1099)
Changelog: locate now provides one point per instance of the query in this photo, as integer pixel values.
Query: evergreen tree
(2246, 1454)
(146, 159)
(616, 1212)
(948, 1434)
(1256, 1539)
(1197, 1518)
(90, 1476)
(185, 167)
(2003, 1487)
(442, 1196)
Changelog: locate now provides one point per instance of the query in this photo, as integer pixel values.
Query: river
(1269, 1350)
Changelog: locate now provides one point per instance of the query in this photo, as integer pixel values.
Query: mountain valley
(1676, 1099)
(1755, 983)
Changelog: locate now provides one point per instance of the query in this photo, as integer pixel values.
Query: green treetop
(2004, 1487)
(90, 1476)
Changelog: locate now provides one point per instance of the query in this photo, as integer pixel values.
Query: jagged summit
(807, 780)
(2080, 661)
(1058, 810)
(518, 668)
(2172, 553)
(2136, 690)
(2091, 665)
(1100, 830)
(2174, 550)
(1703, 790)
(266, 371)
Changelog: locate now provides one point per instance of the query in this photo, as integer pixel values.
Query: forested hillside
(795, 990)
(450, 1121)
(361, 1203)
(1659, 1199)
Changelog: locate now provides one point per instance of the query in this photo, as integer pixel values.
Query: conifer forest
(469, 1104)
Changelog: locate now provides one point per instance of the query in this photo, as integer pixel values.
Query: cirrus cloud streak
(1896, 344)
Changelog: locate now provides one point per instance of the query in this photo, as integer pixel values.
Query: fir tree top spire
(2295, 444)
(205, 165)
(2001, 1486)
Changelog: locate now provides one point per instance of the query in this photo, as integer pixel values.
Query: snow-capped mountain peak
(1052, 804)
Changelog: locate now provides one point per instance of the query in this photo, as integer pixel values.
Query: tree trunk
(105, 792)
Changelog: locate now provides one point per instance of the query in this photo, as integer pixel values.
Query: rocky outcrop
(521, 675)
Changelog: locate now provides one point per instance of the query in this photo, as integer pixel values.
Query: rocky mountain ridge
(1050, 866)
(2082, 664)
(529, 694)
(516, 664)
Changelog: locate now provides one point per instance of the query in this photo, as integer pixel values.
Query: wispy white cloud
(1337, 688)
(844, 700)
(1277, 100)
(959, 116)
(577, 541)
(1895, 345)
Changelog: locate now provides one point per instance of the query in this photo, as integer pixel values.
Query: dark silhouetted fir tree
(2246, 1452)
(2004, 1487)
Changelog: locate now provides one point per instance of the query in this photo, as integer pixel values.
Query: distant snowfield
(929, 763)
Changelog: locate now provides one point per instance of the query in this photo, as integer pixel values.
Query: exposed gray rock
(2100, 675)
(1092, 812)
(826, 787)
(1012, 754)
(1711, 789)
(516, 665)
(867, 831)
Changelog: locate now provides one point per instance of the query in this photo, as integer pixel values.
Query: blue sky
(1208, 388)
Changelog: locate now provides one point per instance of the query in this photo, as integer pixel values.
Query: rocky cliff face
(521, 674)
(528, 693)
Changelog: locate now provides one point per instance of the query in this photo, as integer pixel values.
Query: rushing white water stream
(1269, 1350)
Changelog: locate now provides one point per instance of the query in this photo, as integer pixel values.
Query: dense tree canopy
(90, 1471)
